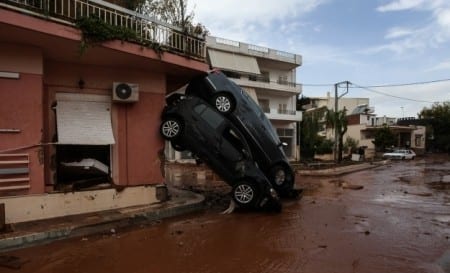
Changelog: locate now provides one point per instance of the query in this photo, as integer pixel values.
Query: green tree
(338, 121)
(384, 138)
(350, 145)
(439, 118)
(309, 137)
(173, 12)
(324, 146)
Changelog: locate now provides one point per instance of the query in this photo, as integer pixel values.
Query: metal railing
(287, 112)
(148, 30)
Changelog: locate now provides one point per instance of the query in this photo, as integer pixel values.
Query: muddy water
(399, 222)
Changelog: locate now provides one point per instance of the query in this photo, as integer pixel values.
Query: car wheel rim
(280, 177)
(244, 194)
(170, 128)
(223, 104)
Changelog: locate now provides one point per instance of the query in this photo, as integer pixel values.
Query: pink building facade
(57, 105)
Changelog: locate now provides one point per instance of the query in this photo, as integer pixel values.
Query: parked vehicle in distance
(400, 154)
(267, 149)
(192, 124)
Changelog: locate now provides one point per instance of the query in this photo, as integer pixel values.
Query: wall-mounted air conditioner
(125, 92)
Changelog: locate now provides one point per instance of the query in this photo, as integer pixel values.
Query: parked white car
(400, 154)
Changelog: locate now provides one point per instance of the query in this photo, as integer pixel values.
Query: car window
(211, 117)
(233, 147)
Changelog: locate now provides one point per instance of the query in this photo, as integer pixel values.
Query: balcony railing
(268, 110)
(255, 78)
(287, 112)
(148, 30)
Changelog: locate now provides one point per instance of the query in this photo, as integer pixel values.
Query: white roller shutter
(84, 122)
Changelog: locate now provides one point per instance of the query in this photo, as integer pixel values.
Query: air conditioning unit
(125, 92)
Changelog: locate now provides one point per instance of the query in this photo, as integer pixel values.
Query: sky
(370, 43)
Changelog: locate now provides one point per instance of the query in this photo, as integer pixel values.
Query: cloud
(445, 65)
(234, 19)
(398, 32)
(433, 34)
(401, 5)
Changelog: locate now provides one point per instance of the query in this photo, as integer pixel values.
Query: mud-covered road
(398, 222)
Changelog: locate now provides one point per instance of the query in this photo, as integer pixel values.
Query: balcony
(279, 114)
(264, 82)
(283, 59)
(148, 30)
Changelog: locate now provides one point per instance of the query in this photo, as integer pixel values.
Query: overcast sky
(367, 42)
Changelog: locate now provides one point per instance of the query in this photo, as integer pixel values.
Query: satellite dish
(123, 91)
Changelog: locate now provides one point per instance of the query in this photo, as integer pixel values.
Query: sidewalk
(341, 170)
(43, 231)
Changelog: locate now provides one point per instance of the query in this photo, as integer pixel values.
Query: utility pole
(336, 109)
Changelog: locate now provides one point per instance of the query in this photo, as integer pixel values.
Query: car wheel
(281, 178)
(245, 194)
(171, 128)
(224, 103)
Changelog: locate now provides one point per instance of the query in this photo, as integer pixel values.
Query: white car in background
(400, 154)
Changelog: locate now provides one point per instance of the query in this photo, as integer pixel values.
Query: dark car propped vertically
(192, 124)
(267, 149)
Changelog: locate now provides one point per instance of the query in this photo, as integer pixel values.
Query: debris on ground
(352, 186)
(11, 262)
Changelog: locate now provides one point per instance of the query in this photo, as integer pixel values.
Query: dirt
(397, 222)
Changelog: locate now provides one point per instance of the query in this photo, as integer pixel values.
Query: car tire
(245, 194)
(224, 103)
(171, 128)
(281, 179)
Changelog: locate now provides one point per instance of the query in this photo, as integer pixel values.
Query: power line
(407, 84)
(369, 88)
(389, 95)
(380, 85)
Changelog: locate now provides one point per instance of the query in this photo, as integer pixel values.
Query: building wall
(135, 125)
(21, 108)
(349, 103)
(418, 139)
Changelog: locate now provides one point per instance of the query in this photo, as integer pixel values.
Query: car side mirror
(282, 144)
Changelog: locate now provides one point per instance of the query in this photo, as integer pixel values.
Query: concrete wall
(21, 108)
(37, 207)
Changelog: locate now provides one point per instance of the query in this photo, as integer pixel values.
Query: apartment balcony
(279, 114)
(264, 83)
(149, 31)
(280, 59)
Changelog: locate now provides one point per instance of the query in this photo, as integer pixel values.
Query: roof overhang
(233, 62)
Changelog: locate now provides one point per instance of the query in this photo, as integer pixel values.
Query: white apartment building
(269, 77)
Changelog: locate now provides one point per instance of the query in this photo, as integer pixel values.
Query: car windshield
(399, 151)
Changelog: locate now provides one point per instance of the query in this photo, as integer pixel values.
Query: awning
(233, 62)
(84, 122)
(252, 93)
